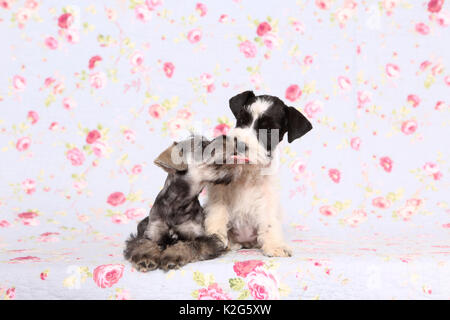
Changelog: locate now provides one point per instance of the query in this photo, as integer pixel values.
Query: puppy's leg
(143, 253)
(270, 238)
(183, 252)
(216, 221)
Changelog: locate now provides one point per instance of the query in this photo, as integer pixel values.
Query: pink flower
(51, 43)
(19, 83)
(323, 4)
(298, 167)
(364, 97)
(440, 105)
(5, 4)
(136, 59)
(328, 211)
(97, 80)
(406, 212)
(270, 40)
(4, 224)
(263, 28)
(435, 5)
(213, 292)
(11, 293)
(293, 92)
(248, 48)
(69, 103)
(99, 148)
(221, 129)
(142, 13)
(105, 276)
(119, 219)
(168, 69)
(223, 18)
(93, 62)
(23, 15)
(31, 4)
(381, 202)
(23, 144)
(313, 107)
(357, 217)
(116, 199)
(308, 60)
(194, 35)
(355, 143)
(335, 175)
(443, 18)
(72, 35)
(386, 163)
(413, 99)
(27, 215)
(299, 27)
(29, 186)
(243, 268)
(43, 275)
(134, 213)
(75, 156)
(207, 79)
(263, 284)
(184, 114)
(431, 168)
(152, 4)
(437, 69)
(33, 117)
(137, 169)
(344, 83)
(201, 8)
(447, 80)
(65, 20)
(156, 111)
(409, 127)
(414, 202)
(422, 28)
(392, 70)
(93, 136)
(130, 135)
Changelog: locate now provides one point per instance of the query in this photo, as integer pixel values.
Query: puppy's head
(267, 119)
(198, 161)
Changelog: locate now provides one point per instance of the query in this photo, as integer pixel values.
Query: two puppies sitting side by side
(174, 234)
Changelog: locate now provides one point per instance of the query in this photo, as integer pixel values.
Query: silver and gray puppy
(174, 234)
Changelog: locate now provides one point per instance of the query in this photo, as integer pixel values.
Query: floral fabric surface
(92, 91)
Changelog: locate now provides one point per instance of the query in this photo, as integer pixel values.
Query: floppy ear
(166, 162)
(239, 101)
(297, 124)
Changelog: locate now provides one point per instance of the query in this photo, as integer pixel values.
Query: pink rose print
(75, 156)
(263, 284)
(433, 170)
(184, 114)
(414, 100)
(335, 175)
(313, 107)
(248, 48)
(201, 9)
(72, 35)
(137, 169)
(364, 97)
(29, 218)
(19, 83)
(142, 13)
(23, 144)
(4, 224)
(130, 135)
(270, 40)
(11, 293)
(435, 6)
(213, 292)
(29, 186)
(119, 219)
(105, 276)
(355, 143)
(243, 268)
(328, 211)
(51, 43)
(323, 4)
(97, 80)
(414, 202)
(136, 59)
(381, 203)
(43, 275)
(409, 127)
(69, 103)
(156, 111)
(263, 28)
(152, 4)
(94, 61)
(65, 20)
(344, 83)
(298, 167)
(293, 92)
(92, 136)
(221, 129)
(169, 68)
(99, 148)
(422, 28)
(386, 163)
(308, 60)
(194, 35)
(392, 70)
(357, 217)
(134, 213)
(33, 117)
(406, 212)
(116, 199)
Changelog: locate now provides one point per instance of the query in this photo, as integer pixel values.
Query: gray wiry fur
(174, 234)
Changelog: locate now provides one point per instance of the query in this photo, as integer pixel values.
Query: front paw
(277, 250)
(144, 263)
(173, 258)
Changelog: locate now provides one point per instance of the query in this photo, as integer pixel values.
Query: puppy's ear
(168, 162)
(297, 124)
(239, 101)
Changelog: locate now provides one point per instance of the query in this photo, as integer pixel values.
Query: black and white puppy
(174, 232)
(246, 212)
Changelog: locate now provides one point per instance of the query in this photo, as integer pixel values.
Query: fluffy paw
(277, 251)
(172, 259)
(145, 262)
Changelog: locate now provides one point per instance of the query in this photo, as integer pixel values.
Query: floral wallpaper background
(92, 91)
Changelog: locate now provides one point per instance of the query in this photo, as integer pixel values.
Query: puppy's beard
(257, 153)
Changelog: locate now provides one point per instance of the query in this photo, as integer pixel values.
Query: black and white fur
(174, 232)
(247, 212)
